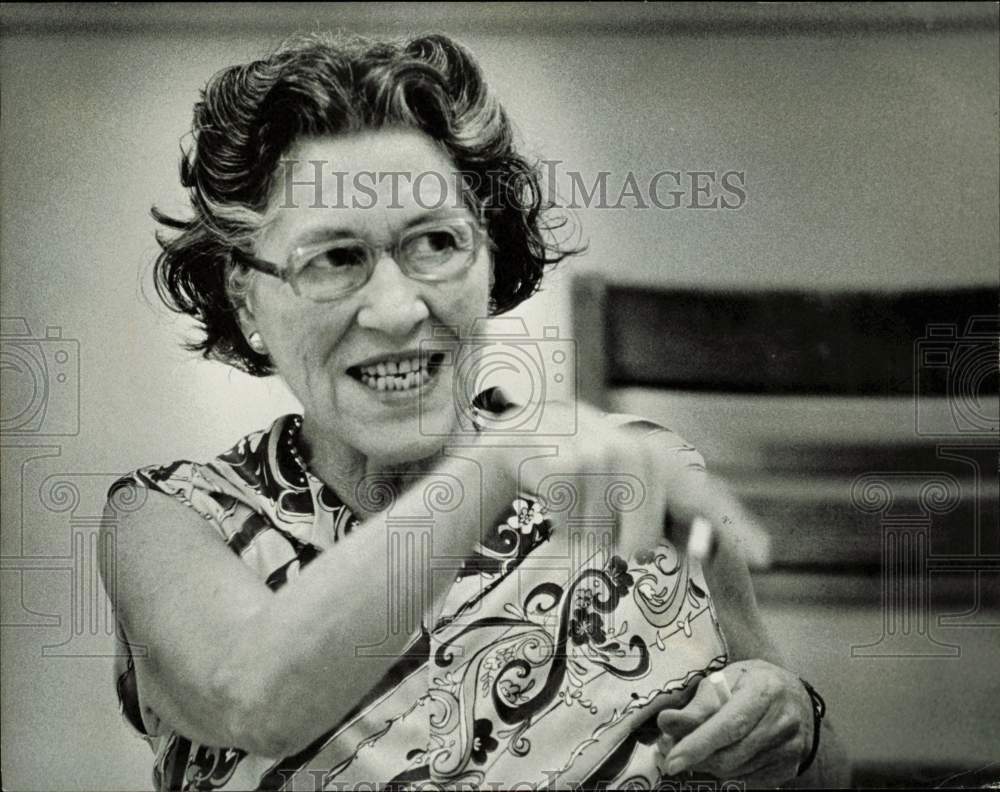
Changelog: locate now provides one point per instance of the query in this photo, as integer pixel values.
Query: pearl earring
(257, 343)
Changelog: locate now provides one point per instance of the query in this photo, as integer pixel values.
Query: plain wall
(870, 160)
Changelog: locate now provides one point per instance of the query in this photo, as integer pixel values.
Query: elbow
(254, 718)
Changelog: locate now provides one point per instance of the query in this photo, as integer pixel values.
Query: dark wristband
(819, 710)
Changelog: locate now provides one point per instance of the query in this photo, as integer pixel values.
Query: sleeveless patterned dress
(539, 672)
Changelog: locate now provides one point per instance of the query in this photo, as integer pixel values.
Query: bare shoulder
(168, 563)
(179, 593)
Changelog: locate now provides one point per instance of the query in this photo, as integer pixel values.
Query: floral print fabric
(545, 669)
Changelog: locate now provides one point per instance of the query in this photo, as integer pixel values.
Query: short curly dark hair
(250, 115)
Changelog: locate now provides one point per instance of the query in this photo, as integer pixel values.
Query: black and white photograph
(535, 396)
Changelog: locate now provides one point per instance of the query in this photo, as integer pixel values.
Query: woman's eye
(433, 242)
(346, 257)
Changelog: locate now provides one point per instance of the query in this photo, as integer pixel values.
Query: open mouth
(398, 374)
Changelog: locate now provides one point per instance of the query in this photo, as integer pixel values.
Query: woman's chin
(395, 451)
(417, 437)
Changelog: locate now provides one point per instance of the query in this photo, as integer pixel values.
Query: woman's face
(329, 353)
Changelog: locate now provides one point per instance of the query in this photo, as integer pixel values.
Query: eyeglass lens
(433, 252)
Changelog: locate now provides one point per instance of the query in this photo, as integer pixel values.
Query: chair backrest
(809, 401)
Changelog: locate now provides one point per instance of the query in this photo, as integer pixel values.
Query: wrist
(818, 707)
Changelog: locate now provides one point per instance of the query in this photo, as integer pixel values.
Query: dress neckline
(491, 400)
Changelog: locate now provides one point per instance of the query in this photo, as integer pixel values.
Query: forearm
(306, 657)
(301, 662)
(749, 639)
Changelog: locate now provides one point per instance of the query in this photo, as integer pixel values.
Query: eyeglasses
(432, 252)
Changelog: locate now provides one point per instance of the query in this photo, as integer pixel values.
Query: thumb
(702, 706)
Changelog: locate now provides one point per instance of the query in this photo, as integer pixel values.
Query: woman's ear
(248, 324)
(245, 315)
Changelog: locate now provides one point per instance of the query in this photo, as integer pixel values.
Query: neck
(366, 485)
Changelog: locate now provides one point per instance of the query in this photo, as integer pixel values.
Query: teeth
(396, 375)
(393, 368)
(416, 377)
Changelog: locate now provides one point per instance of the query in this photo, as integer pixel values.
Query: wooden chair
(860, 427)
(794, 395)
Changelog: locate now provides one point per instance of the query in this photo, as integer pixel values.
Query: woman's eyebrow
(316, 234)
(449, 213)
(322, 233)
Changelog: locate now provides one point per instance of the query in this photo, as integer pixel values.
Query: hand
(761, 735)
(658, 461)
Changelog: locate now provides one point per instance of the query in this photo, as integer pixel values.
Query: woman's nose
(392, 302)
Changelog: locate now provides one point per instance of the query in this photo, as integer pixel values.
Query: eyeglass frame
(290, 272)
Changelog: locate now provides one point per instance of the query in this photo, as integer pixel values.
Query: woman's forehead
(366, 181)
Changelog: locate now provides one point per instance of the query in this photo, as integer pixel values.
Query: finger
(690, 493)
(734, 524)
(663, 746)
(678, 724)
(583, 470)
(702, 542)
(700, 495)
(699, 708)
(734, 721)
(641, 518)
(768, 741)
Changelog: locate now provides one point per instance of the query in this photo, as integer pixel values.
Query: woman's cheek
(472, 305)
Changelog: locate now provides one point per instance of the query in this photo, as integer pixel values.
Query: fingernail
(675, 766)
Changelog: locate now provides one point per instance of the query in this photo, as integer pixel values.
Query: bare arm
(748, 638)
(232, 663)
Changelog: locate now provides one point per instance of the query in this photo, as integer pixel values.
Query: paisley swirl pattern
(574, 668)
(541, 674)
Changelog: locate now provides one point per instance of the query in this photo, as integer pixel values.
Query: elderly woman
(376, 591)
